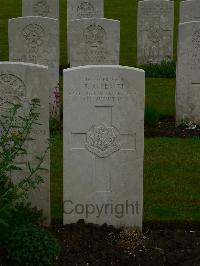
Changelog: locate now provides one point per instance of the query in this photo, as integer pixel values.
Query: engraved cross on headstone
(102, 140)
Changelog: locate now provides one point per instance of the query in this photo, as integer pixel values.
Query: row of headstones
(104, 153)
(34, 38)
(34, 73)
(92, 39)
(103, 125)
(97, 41)
(103, 139)
(188, 65)
(103, 134)
(155, 44)
(156, 26)
(103, 121)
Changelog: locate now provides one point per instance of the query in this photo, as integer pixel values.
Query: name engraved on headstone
(101, 89)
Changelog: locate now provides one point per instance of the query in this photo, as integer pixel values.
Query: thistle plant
(15, 131)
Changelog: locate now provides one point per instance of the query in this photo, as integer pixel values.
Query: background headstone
(188, 78)
(94, 42)
(103, 144)
(78, 9)
(36, 40)
(43, 8)
(20, 83)
(189, 11)
(155, 31)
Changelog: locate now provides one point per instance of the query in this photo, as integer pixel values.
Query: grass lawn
(171, 176)
(160, 94)
(171, 179)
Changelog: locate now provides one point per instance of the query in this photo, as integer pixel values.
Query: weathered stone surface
(155, 31)
(36, 40)
(78, 9)
(43, 8)
(94, 42)
(103, 145)
(20, 83)
(188, 74)
(189, 11)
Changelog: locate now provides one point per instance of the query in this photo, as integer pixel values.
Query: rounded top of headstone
(23, 64)
(102, 67)
(36, 18)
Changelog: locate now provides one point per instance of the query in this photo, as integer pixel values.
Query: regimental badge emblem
(12, 89)
(103, 140)
(41, 8)
(94, 36)
(33, 34)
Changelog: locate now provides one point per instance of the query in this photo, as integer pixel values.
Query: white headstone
(188, 74)
(20, 83)
(43, 8)
(155, 31)
(103, 145)
(94, 42)
(189, 10)
(78, 9)
(36, 40)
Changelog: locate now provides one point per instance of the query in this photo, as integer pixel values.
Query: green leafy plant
(14, 133)
(26, 214)
(32, 245)
(163, 70)
(22, 214)
(152, 117)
